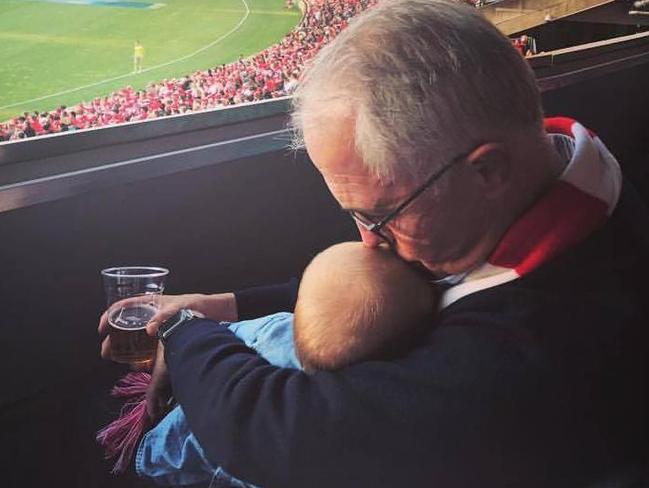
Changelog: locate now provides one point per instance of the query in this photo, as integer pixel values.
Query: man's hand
(159, 392)
(218, 307)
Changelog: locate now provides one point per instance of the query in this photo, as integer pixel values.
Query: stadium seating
(272, 73)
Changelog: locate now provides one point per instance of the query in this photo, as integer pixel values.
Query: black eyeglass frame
(376, 228)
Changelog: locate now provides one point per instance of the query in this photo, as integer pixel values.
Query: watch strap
(173, 323)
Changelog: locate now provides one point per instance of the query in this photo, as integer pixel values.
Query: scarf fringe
(120, 438)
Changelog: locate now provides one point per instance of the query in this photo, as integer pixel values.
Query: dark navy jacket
(539, 382)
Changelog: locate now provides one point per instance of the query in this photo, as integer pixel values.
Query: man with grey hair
(427, 128)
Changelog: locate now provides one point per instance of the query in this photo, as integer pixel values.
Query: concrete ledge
(573, 65)
(513, 16)
(62, 143)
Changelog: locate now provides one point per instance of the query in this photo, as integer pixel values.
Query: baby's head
(357, 303)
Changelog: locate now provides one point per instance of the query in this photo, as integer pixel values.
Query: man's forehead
(348, 173)
(332, 150)
(359, 190)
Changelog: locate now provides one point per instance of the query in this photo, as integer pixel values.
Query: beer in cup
(133, 294)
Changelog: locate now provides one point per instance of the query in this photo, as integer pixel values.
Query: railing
(61, 165)
(579, 64)
(512, 16)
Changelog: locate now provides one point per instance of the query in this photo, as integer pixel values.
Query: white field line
(173, 61)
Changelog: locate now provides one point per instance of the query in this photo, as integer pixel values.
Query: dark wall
(616, 108)
(218, 228)
(560, 34)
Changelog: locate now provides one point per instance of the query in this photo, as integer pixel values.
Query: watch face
(169, 325)
(170, 322)
(175, 318)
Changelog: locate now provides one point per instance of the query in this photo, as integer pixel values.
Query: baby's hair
(357, 303)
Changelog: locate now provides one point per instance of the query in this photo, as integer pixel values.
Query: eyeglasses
(376, 226)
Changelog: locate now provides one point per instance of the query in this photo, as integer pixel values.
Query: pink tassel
(132, 384)
(119, 438)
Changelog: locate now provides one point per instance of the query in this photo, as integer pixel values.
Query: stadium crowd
(271, 73)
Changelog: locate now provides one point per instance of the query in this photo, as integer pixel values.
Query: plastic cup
(133, 296)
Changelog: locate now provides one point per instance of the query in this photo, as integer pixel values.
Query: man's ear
(491, 164)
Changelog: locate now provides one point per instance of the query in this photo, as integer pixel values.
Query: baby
(353, 304)
(356, 303)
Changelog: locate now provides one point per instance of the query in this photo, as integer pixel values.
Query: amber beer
(133, 296)
(129, 341)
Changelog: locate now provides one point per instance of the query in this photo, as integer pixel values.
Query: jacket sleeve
(264, 300)
(243, 410)
(375, 424)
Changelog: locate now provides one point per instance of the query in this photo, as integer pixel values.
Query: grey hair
(423, 80)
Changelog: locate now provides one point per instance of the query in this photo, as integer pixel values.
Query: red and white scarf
(578, 203)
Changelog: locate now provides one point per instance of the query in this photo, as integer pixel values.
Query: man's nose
(370, 239)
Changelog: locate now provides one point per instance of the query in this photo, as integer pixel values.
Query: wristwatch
(177, 320)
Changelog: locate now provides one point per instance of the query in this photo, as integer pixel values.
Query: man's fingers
(103, 323)
(159, 389)
(156, 407)
(154, 324)
(163, 314)
(105, 348)
(103, 320)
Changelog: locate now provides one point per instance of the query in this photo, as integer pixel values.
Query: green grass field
(53, 46)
